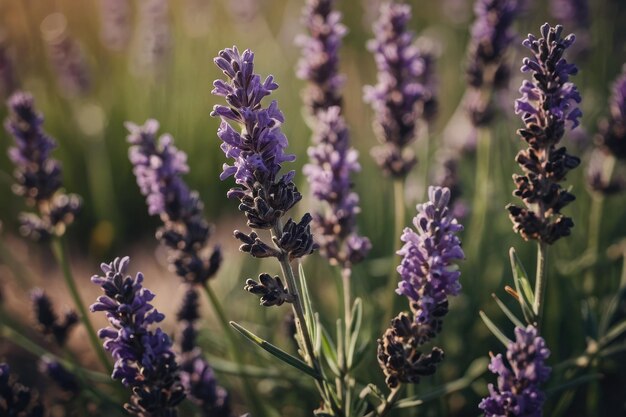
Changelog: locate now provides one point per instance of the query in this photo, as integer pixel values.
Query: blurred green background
(171, 82)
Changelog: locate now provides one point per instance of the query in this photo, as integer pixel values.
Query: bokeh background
(157, 63)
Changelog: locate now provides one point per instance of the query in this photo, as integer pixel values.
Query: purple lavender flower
(427, 270)
(47, 320)
(399, 96)
(574, 14)
(153, 42)
(66, 56)
(144, 360)
(158, 166)
(258, 152)
(547, 104)
(319, 63)
(486, 69)
(115, 23)
(15, 398)
(517, 392)
(612, 136)
(38, 175)
(61, 377)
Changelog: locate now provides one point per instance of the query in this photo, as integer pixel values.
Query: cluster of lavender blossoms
(547, 104)
(403, 96)
(428, 276)
(15, 398)
(332, 159)
(258, 152)
(38, 176)
(48, 321)
(158, 166)
(517, 392)
(144, 360)
(611, 142)
(486, 70)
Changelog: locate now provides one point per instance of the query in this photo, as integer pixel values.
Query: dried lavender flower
(15, 398)
(144, 360)
(47, 320)
(486, 68)
(270, 289)
(66, 57)
(61, 377)
(115, 23)
(399, 96)
(38, 176)
(517, 392)
(258, 152)
(547, 104)
(427, 270)
(399, 355)
(319, 63)
(158, 166)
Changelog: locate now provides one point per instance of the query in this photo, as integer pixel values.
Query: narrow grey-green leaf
(508, 312)
(355, 328)
(329, 351)
(613, 333)
(522, 287)
(276, 351)
(306, 301)
(495, 330)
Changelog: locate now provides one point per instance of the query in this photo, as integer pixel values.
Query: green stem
(540, 280)
(346, 274)
(385, 407)
(399, 224)
(234, 348)
(481, 195)
(60, 253)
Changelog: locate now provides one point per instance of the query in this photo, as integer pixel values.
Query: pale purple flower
(144, 360)
(153, 39)
(427, 270)
(115, 23)
(158, 166)
(518, 391)
(399, 96)
(548, 104)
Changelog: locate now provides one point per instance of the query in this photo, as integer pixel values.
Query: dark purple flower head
(548, 104)
(427, 270)
(47, 320)
(319, 63)
(38, 175)
(398, 97)
(332, 163)
(258, 150)
(612, 135)
(15, 398)
(61, 377)
(144, 359)
(158, 166)
(487, 70)
(517, 392)
(199, 381)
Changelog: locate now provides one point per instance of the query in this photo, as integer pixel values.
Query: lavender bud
(517, 392)
(15, 398)
(144, 360)
(271, 290)
(47, 320)
(547, 104)
(255, 246)
(62, 378)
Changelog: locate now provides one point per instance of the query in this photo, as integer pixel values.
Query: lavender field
(358, 208)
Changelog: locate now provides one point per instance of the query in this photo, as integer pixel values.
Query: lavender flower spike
(517, 392)
(547, 105)
(15, 398)
(612, 135)
(144, 360)
(319, 63)
(158, 166)
(399, 96)
(37, 174)
(47, 320)
(258, 151)
(427, 270)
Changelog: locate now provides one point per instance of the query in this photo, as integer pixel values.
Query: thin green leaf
(329, 351)
(613, 333)
(374, 391)
(508, 312)
(360, 353)
(277, 352)
(355, 328)
(610, 310)
(523, 288)
(573, 383)
(306, 302)
(495, 330)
